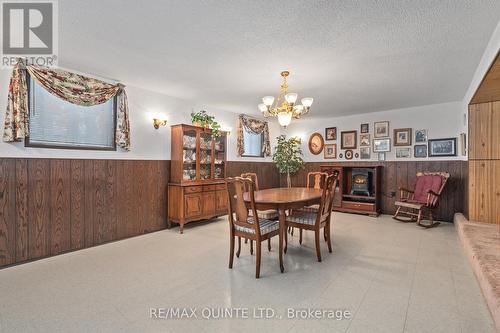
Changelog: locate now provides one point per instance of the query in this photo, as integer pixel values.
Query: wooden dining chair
(314, 180)
(242, 224)
(269, 214)
(308, 220)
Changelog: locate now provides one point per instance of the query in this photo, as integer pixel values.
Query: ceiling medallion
(284, 106)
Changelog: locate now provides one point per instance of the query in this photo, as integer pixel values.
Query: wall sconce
(157, 123)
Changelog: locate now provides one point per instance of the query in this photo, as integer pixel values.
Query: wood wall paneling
(489, 89)
(50, 206)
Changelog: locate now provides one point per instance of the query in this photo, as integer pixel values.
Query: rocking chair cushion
(266, 226)
(424, 184)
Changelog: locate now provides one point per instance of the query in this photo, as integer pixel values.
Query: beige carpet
(482, 245)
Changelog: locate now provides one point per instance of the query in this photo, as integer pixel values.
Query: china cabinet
(198, 167)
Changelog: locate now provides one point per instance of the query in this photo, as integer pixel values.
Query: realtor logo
(29, 31)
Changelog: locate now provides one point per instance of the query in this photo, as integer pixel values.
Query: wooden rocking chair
(422, 201)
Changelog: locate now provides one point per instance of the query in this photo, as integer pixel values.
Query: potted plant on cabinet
(203, 119)
(288, 157)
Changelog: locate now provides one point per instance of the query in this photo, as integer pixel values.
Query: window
(55, 123)
(253, 143)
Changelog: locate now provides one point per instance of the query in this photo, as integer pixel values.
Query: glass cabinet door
(205, 155)
(189, 155)
(220, 157)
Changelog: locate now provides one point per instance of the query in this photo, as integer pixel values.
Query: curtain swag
(71, 87)
(255, 126)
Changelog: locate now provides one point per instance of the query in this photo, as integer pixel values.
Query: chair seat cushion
(309, 209)
(410, 204)
(266, 226)
(303, 217)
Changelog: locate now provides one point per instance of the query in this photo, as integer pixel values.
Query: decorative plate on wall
(316, 143)
(348, 154)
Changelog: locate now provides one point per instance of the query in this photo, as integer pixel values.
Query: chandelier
(284, 106)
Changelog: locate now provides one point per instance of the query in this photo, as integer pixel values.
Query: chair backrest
(327, 196)
(433, 181)
(315, 179)
(253, 177)
(237, 208)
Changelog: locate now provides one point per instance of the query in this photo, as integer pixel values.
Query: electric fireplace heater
(361, 182)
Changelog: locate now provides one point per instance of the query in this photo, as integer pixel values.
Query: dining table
(283, 199)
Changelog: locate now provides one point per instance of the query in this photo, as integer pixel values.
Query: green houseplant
(288, 157)
(203, 119)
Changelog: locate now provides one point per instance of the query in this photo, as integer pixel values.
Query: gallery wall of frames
(429, 132)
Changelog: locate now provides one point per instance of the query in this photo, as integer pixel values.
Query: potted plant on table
(203, 119)
(288, 157)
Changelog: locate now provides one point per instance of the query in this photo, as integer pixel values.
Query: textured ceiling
(351, 56)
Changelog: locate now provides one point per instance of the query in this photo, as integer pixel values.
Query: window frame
(261, 146)
(29, 144)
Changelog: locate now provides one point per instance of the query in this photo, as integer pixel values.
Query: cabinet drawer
(219, 187)
(192, 189)
(208, 188)
(364, 206)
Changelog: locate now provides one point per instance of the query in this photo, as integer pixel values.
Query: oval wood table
(283, 199)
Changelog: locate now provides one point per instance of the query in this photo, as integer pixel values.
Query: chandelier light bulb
(268, 100)
(284, 118)
(262, 107)
(291, 98)
(298, 109)
(307, 102)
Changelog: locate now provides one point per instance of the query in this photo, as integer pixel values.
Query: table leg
(282, 230)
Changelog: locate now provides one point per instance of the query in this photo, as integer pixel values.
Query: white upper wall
(147, 142)
(444, 120)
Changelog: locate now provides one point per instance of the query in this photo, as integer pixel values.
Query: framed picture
(330, 150)
(316, 143)
(381, 145)
(443, 147)
(403, 152)
(402, 137)
(348, 140)
(364, 140)
(381, 156)
(381, 129)
(420, 151)
(365, 153)
(331, 133)
(420, 136)
(365, 128)
(348, 154)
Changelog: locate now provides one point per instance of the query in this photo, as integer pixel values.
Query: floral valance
(255, 126)
(71, 87)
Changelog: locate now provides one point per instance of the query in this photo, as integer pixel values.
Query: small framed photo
(365, 128)
(348, 140)
(403, 152)
(443, 147)
(330, 150)
(381, 145)
(420, 151)
(402, 137)
(364, 140)
(348, 154)
(420, 136)
(365, 153)
(331, 133)
(381, 156)
(463, 144)
(381, 129)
